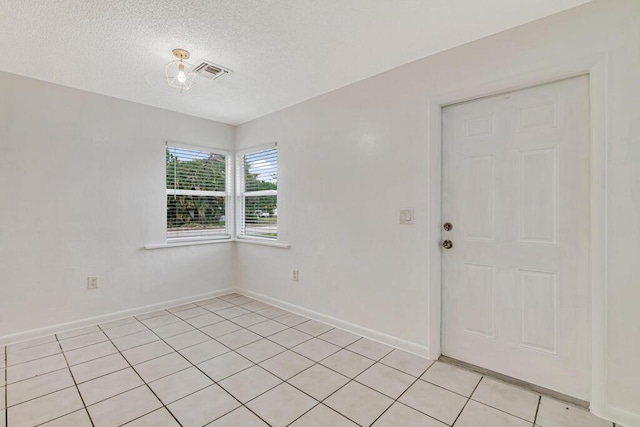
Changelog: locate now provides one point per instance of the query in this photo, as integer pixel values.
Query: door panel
(516, 189)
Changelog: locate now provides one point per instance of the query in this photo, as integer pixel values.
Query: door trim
(596, 67)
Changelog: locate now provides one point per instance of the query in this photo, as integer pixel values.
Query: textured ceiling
(282, 51)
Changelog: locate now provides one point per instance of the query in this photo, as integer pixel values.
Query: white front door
(516, 292)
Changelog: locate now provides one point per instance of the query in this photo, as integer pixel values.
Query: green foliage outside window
(260, 174)
(189, 170)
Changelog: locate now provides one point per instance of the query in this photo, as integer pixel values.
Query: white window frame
(180, 237)
(241, 194)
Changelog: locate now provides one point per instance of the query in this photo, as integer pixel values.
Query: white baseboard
(371, 334)
(90, 321)
(621, 417)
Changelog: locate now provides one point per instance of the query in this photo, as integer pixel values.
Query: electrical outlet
(296, 275)
(92, 282)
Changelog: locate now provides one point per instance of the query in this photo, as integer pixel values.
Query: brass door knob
(447, 244)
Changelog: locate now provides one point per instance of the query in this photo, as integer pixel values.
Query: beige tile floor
(234, 361)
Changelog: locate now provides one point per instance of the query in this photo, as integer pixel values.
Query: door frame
(596, 67)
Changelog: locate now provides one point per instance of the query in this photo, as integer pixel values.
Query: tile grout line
(79, 335)
(113, 372)
(498, 409)
(79, 364)
(37, 358)
(365, 385)
(135, 319)
(468, 398)
(38, 375)
(396, 400)
(319, 363)
(100, 329)
(321, 402)
(232, 351)
(198, 368)
(30, 347)
(253, 364)
(82, 363)
(315, 363)
(287, 327)
(62, 351)
(162, 355)
(73, 377)
(46, 394)
(74, 383)
(261, 337)
(535, 418)
(144, 384)
(467, 402)
(166, 312)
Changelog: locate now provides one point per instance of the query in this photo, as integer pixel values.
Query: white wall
(352, 158)
(82, 179)
(82, 192)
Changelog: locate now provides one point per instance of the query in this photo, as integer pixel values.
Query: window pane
(258, 194)
(195, 170)
(193, 216)
(261, 216)
(261, 170)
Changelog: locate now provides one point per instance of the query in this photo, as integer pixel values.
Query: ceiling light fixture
(180, 74)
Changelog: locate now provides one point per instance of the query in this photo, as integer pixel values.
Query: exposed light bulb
(182, 77)
(179, 74)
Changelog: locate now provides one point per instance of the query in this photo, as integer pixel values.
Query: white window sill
(264, 242)
(178, 243)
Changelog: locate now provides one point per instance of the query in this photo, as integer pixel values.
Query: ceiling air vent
(210, 71)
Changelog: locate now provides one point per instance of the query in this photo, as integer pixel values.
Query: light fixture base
(180, 74)
(181, 54)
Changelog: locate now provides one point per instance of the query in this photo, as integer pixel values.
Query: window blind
(258, 193)
(197, 194)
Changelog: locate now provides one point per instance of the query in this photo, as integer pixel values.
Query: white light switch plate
(92, 282)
